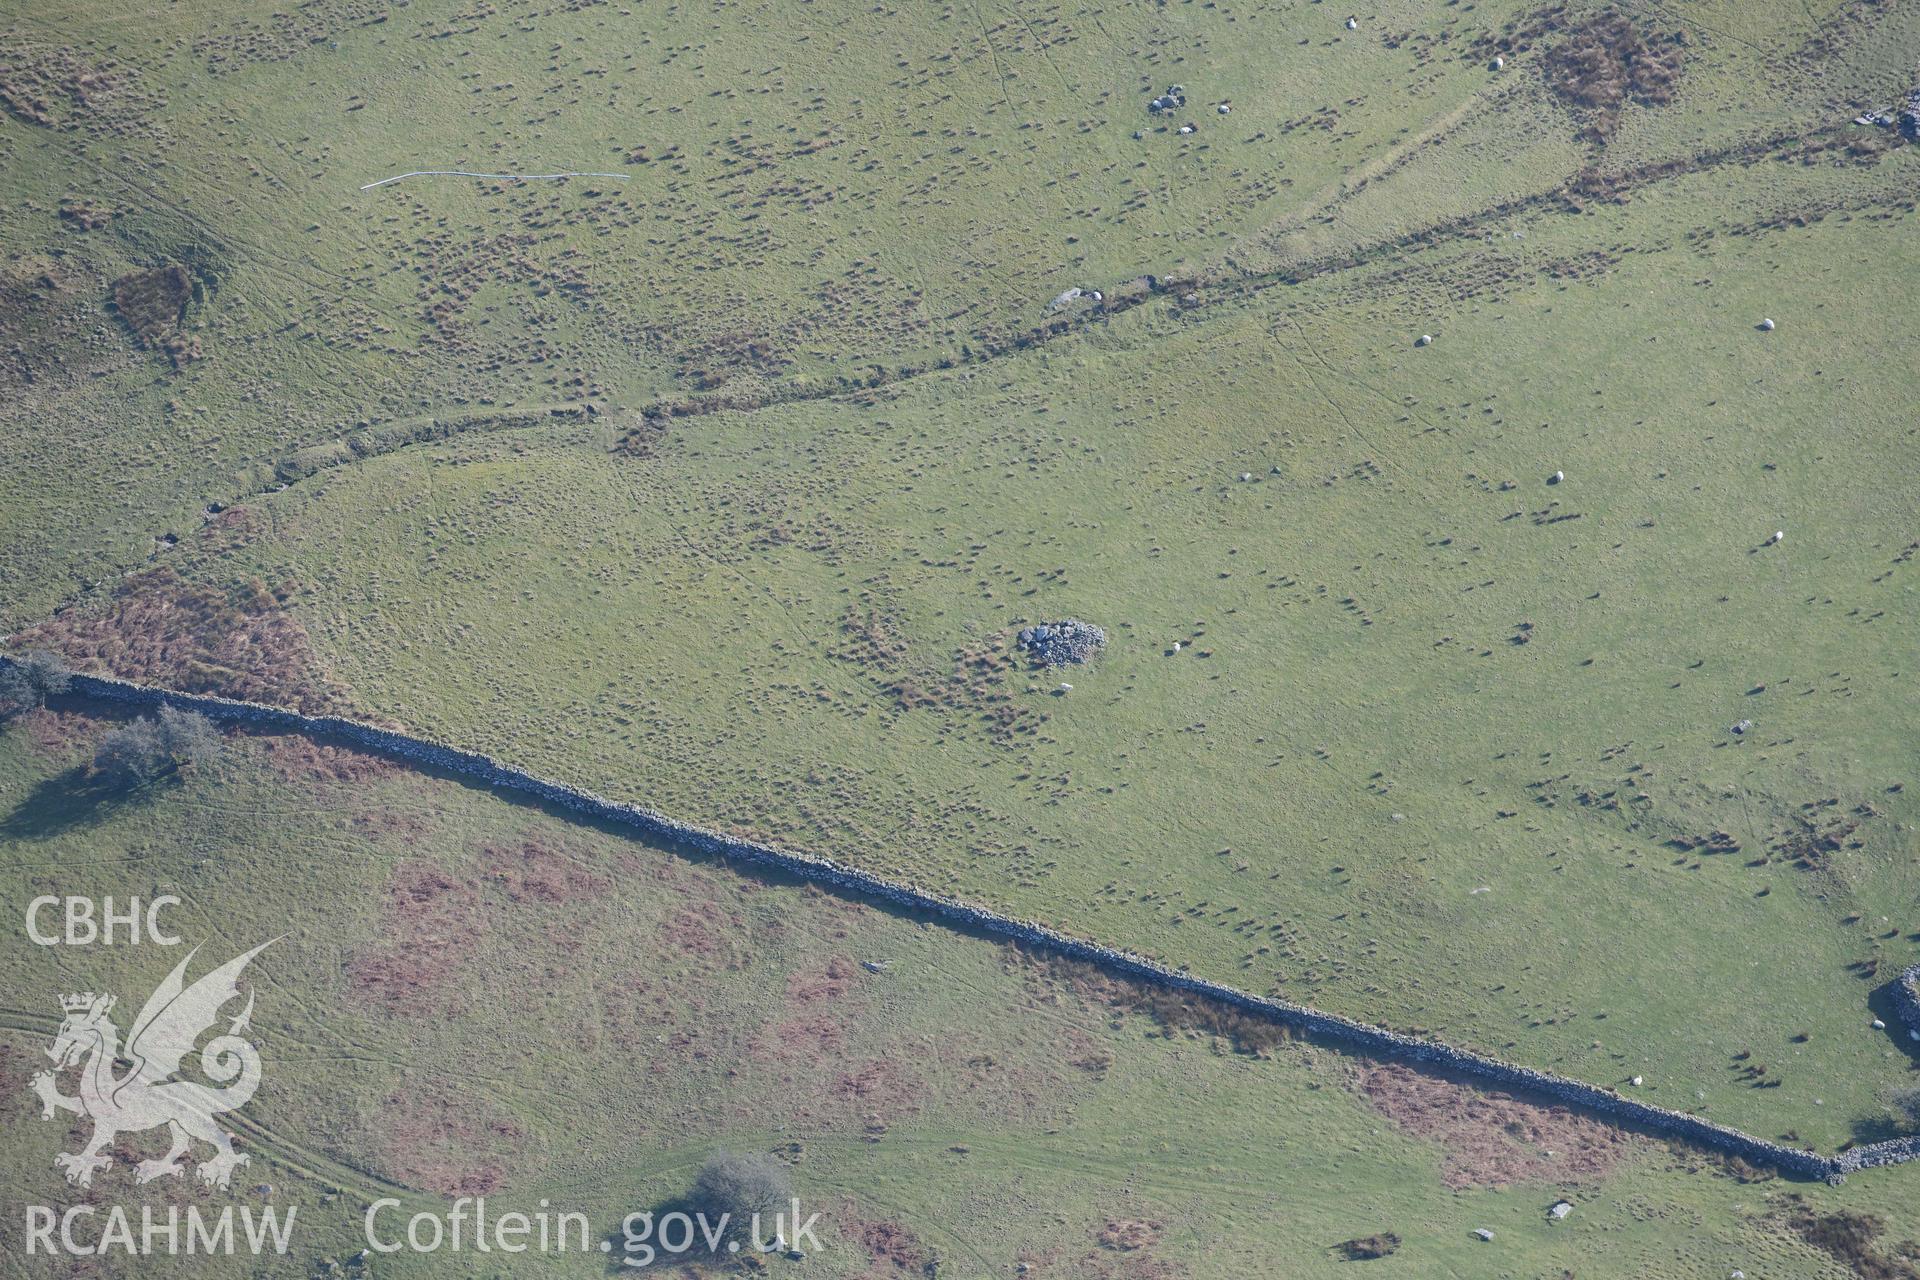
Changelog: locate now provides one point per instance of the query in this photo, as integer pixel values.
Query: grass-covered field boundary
(1341, 1031)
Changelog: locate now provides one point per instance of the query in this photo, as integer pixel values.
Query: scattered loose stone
(1069, 640)
(1424, 340)
(1483, 1233)
(1766, 326)
(1560, 1210)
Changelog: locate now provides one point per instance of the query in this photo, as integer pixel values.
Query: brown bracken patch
(54, 87)
(1125, 1252)
(1366, 1248)
(16, 1077)
(1609, 60)
(815, 1017)
(1128, 1234)
(534, 872)
(1493, 1139)
(435, 924)
(880, 1083)
(237, 641)
(297, 758)
(452, 1147)
(701, 929)
(1174, 1010)
(152, 302)
(892, 1249)
(58, 734)
(1853, 1239)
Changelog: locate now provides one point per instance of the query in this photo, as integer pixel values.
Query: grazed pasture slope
(725, 487)
(476, 997)
(819, 194)
(797, 622)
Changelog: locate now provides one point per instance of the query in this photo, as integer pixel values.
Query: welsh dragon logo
(148, 1095)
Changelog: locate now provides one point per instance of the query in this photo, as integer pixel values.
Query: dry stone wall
(1344, 1032)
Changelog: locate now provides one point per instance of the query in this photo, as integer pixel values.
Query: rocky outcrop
(1332, 1028)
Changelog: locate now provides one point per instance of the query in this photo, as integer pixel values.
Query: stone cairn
(1053, 644)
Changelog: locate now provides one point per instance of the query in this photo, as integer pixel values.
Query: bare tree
(742, 1186)
(145, 749)
(29, 680)
(1904, 1104)
(132, 753)
(188, 738)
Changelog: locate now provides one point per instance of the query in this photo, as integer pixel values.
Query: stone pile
(1054, 644)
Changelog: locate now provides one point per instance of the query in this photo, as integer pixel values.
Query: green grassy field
(813, 199)
(730, 629)
(725, 487)
(472, 996)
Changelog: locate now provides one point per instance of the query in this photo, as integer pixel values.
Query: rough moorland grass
(760, 623)
(470, 994)
(816, 197)
(1443, 745)
(813, 195)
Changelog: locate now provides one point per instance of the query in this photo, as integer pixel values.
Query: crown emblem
(76, 1003)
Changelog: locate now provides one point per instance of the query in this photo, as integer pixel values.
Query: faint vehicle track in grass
(503, 177)
(1221, 288)
(1195, 294)
(317, 1167)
